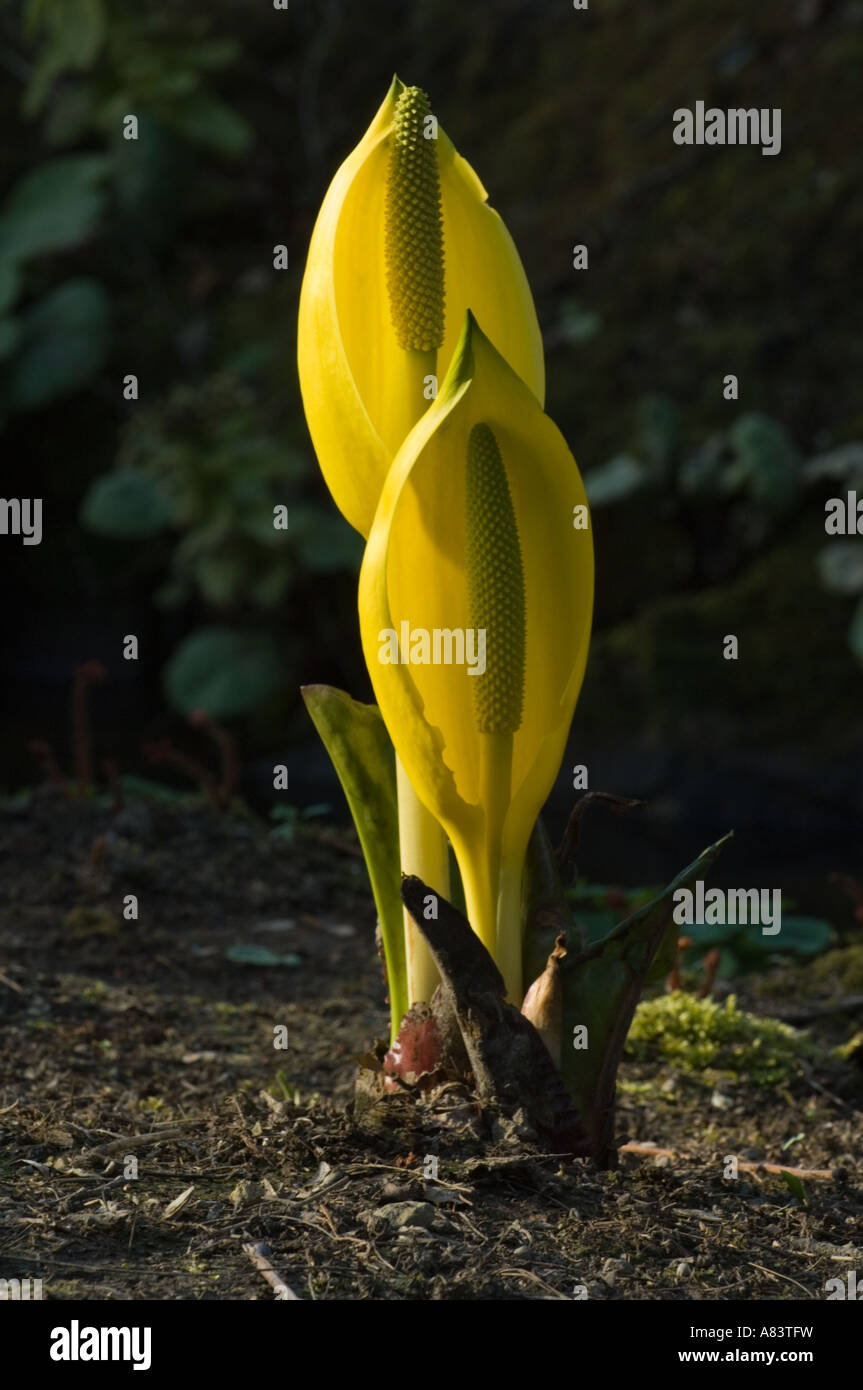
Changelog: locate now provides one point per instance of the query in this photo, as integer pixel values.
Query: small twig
(534, 1279)
(163, 751)
(683, 943)
(85, 1196)
(743, 1165)
(138, 1141)
(11, 984)
(774, 1273)
(258, 1256)
(651, 1151)
(711, 965)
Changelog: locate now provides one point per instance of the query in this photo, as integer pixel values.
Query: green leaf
(54, 207)
(64, 341)
(802, 936)
(286, 818)
(845, 462)
(700, 475)
(203, 119)
(840, 567)
(704, 936)
(578, 325)
(154, 181)
(262, 955)
(270, 587)
(220, 578)
(126, 504)
(223, 671)
(544, 908)
(359, 746)
(77, 27)
(795, 1187)
(601, 988)
(658, 428)
(766, 463)
(614, 481)
(74, 34)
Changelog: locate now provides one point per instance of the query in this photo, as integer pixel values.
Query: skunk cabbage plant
(422, 376)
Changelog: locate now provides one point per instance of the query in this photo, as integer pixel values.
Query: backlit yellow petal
(352, 456)
(354, 375)
(415, 572)
(484, 274)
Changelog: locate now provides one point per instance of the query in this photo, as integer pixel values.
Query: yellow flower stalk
(404, 242)
(473, 553)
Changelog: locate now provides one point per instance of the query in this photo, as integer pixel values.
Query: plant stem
(509, 932)
(423, 843)
(424, 852)
(502, 933)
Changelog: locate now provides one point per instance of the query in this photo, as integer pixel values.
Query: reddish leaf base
(470, 1033)
(415, 1056)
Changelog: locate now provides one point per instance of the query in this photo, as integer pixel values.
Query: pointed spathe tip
(461, 366)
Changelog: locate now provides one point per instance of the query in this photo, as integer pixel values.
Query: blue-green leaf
(127, 504)
(359, 746)
(614, 481)
(63, 344)
(223, 671)
(54, 207)
(766, 462)
(600, 993)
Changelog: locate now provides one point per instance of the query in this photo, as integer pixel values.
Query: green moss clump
(699, 1034)
(843, 968)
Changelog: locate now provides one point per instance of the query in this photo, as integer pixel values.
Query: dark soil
(143, 1038)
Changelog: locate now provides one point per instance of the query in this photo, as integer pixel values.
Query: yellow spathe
(352, 371)
(415, 570)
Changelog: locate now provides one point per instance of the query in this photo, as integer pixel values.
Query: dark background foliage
(155, 257)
